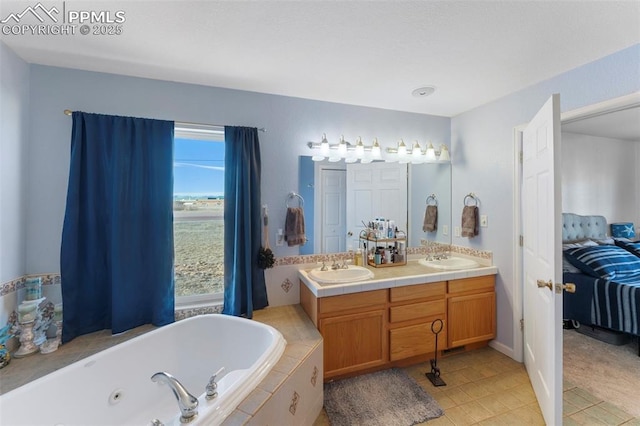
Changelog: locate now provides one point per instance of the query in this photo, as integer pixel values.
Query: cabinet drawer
(419, 291)
(417, 310)
(415, 340)
(472, 285)
(349, 302)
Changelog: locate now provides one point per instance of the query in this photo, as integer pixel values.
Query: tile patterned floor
(484, 387)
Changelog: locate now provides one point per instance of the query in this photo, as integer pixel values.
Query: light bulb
(402, 149)
(359, 148)
(444, 153)
(376, 152)
(430, 154)
(324, 146)
(416, 152)
(317, 158)
(342, 147)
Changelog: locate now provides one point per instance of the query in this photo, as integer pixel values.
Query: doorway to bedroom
(600, 151)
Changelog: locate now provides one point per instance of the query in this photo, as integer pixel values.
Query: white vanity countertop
(410, 274)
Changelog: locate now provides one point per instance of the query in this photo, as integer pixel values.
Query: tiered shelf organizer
(399, 244)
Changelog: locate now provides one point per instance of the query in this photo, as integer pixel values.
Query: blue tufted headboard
(576, 227)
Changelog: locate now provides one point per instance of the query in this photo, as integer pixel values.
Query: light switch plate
(456, 231)
(279, 238)
(445, 229)
(484, 222)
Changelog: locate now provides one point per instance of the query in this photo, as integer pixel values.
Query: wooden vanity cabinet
(353, 327)
(412, 310)
(382, 328)
(471, 310)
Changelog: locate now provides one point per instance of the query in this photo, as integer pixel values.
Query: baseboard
(503, 349)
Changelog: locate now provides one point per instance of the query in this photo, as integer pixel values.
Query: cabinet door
(472, 318)
(354, 342)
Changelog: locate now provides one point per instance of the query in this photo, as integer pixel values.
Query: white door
(541, 217)
(374, 190)
(333, 211)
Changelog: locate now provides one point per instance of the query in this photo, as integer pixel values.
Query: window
(198, 213)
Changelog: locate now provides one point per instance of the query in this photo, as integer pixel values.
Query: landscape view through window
(198, 219)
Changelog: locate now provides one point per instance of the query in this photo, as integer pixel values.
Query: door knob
(548, 284)
(568, 287)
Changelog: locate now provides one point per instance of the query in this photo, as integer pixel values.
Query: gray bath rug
(388, 397)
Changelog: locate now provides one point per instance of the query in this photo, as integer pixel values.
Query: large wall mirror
(339, 199)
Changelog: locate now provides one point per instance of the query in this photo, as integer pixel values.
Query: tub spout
(188, 403)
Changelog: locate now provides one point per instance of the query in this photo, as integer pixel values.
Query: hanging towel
(430, 223)
(294, 227)
(470, 221)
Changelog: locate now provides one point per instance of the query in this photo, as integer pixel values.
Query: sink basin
(339, 276)
(451, 263)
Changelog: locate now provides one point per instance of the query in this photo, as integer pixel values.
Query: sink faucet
(188, 403)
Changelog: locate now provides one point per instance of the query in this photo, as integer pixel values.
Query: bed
(606, 272)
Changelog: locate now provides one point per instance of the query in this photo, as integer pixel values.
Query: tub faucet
(188, 403)
(212, 386)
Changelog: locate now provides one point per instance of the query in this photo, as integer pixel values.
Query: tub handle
(212, 386)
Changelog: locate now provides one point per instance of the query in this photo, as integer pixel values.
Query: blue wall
(14, 128)
(290, 124)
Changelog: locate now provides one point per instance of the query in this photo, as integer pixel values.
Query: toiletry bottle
(358, 258)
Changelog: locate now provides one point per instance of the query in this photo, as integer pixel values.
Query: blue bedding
(605, 303)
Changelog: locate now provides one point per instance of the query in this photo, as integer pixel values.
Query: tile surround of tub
(291, 393)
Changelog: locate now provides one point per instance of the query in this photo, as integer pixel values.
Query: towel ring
(473, 198)
(293, 195)
(432, 198)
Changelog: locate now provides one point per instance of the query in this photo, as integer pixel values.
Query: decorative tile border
(19, 283)
(482, 254)
(420, 250)
(181, 314)
(51, 279)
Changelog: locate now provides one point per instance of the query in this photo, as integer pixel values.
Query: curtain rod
(262, 129)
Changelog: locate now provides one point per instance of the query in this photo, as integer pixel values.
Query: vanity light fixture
(444, 153)
(352, 153)
(342, 147)
(402, 149)
(376, 152)
(416, 153)
(359, 148)
(324, 146)
(344, 150)
(430, 154)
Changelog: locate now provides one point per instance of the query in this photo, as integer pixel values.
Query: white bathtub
(114, 387)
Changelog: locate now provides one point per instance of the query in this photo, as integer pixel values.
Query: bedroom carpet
(609, 372)
(388, 397)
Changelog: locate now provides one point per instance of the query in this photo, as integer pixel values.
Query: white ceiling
(622, 125)
(361, 53)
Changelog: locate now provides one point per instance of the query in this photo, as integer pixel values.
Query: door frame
(593, 110)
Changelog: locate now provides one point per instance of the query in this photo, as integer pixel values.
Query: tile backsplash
(282, 280)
